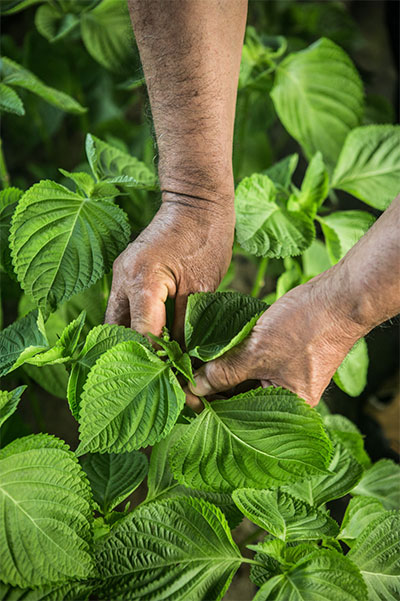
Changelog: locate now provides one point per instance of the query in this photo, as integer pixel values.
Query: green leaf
(162, 484)
(262, 438)
(315, 259)
(70, 591)
(10, 7)
(351, 375)
(14, 74)
(281, 173)
(381, 481)
(315, 186)
(8, 201)
(53, 378)
(64, 348)
(283, 515)
(180, 360)
(265, 228)
(9, 402)
(344, 473)
(45, 505)
(376, 552)
(176, 549)
(99, 340)
(112, 165)
(84, 182)
(360, 512)
(321, 576)
(217, 321)
(318, 96)
(62, 242)
(114, 477)
(10, 102)
(135, 397)
(344, 431)
(369, 165)
(108, 36)
(53, 23)
(342, 229)
(22, 339)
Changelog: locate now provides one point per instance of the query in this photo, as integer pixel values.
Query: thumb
(221, 374)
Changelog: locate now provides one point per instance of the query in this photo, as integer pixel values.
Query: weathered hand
(186, 248)
(298, 343)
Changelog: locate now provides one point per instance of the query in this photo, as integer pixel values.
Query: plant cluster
(264, 454)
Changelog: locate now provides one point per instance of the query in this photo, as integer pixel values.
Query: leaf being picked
(381, 481)
(369, 165)
(262, 438)
(131, 399)
(9, 402)
(177, 549)
(264, 227)
(46, 506)
(360, 512)
(283, 515)
(114, 477)
(21, 340)
(217, 321)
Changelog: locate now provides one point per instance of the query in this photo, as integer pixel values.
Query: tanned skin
(190, 51)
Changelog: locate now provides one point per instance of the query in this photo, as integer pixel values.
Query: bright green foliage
(315, 259)
(8, 201)
(99, 340)
(114, 477)
(376, 553)
(53, 23)
(10, 102)
(315, 186)
(381, 481)
(111, 165)
(70, 591)
(369, 164)
(135, 398)
(283, 515)
(325, 574)
(360, 512)
(46, 513)
(344, 473)
(318, 96)
(351, 375)
(172, 349)
(273, 557)
(258, 59)
(281, 173)
(21, 340)
(12, 74)
(9, 402)
(62, 242)
(174, 550)
(65, 346)
(10, 7)
(343, 430)
(265, 228)
(252, 439)
(342, 229)
(216, 322)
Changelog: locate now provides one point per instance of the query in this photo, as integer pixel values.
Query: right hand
(186, 248)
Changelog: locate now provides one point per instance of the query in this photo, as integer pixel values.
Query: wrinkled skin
(298, 343)
(184, 249)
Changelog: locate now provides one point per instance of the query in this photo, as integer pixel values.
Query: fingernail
(201, 386)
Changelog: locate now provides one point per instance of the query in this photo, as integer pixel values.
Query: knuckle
(221, 375)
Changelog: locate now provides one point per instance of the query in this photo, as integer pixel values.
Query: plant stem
(260, 277)
(5, 178)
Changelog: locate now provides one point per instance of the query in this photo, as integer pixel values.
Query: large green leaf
(262, 438)
(264, 227)
(131, 399)
(8, 201)
(344, 473)
(162, 484)
(318, 96)
(66, 591)
(342, 229)
(9, 402)
(46, 513)
(381, 481)
(376, 552)
(344, 431)
(10, 102)
(14, 74)
(63, 242)
(108, 36)
(283, 515)
(114, 166)
(53, 378)
(369, 164)
(22, 339)
(175, 550)
(114, 477)
(324, 575)
(99, 340)
(360, 512)
(217, 321)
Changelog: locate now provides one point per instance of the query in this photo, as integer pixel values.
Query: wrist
(206, 207)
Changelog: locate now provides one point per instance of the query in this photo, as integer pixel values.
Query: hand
(298, 343)
(186, 248)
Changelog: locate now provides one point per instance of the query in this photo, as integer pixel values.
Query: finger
(193, 401)
(147, 309)
(117, 311)
(221, 374)
(178, 330)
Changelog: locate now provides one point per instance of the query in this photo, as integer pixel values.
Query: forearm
(190, 51)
